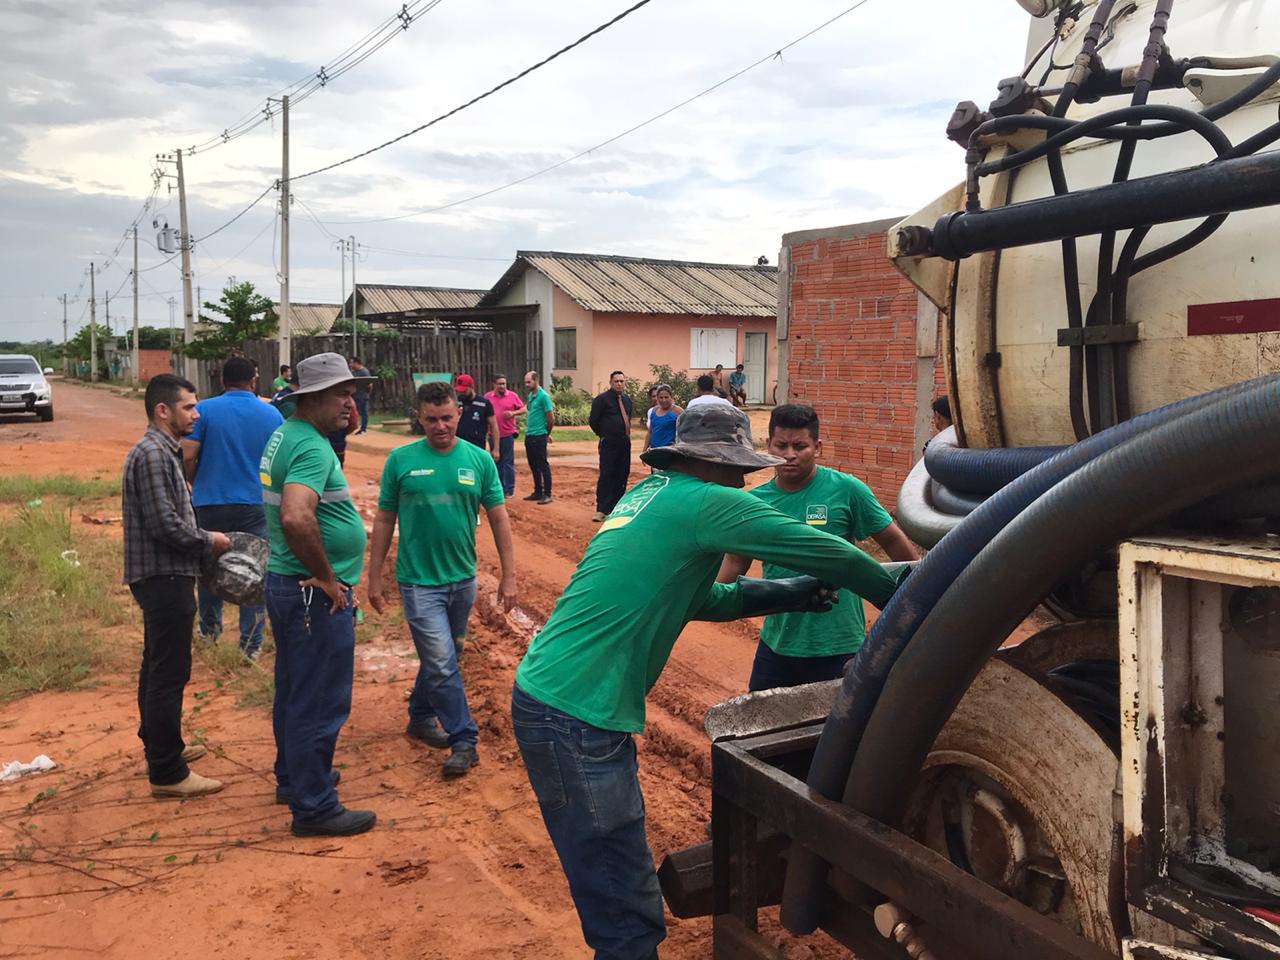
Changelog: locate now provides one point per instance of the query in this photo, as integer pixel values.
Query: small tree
(242, 315)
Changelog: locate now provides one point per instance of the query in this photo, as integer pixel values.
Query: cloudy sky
(843, 127)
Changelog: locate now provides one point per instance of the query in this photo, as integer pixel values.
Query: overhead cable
(773, 55)
(299, 90)
(476, 99)
(253, 204)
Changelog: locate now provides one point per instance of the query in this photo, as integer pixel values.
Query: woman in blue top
(661, 422)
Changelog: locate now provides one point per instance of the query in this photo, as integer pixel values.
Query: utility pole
(66, 361)
(134, 360)
(283, 335)
(173, 304)
(355, 301)
(184, 244)
(93, 329)
(342, 256)
(106, 303)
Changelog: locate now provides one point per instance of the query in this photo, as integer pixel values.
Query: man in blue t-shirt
(220, 459)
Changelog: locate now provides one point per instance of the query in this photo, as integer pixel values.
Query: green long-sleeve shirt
(651, 569)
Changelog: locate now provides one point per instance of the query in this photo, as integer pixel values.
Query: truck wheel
(46, 413)
(1018, 792)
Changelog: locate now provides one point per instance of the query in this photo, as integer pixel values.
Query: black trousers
(535, 449)
(168, 614)
(615, 467)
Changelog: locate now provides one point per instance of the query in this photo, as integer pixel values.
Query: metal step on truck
(1108, 268)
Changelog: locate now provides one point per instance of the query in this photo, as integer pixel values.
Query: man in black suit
(610, 420)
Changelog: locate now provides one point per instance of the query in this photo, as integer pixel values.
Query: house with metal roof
(600, 313)
(389, 302)
(311, 319)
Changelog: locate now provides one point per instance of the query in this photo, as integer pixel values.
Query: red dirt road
(453, 870)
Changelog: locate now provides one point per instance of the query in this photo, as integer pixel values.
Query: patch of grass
(252, 681)
(51, 585)
(22, 487)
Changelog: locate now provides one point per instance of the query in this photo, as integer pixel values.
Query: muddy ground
(455, 870)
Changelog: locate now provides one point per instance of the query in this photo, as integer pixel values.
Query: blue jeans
(315, 661)
(507, 464)
(230, 518)
(435, 616)
(587, 788)
(771, 670)
(362, 407)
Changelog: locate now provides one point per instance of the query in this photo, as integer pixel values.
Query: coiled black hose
(893, 630)
(980, 470)
(1229, 443)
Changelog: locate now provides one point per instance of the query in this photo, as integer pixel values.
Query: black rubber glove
(788, 595)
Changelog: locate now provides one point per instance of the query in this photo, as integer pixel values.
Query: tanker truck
(1108, 273)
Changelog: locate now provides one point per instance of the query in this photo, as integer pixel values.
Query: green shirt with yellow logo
(437, 497)
(299, 453)
(649, 570)
(845, 507)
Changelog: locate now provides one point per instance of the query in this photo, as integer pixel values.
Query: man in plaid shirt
(163, 550)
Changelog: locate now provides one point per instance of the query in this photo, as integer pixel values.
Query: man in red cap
(476, 419)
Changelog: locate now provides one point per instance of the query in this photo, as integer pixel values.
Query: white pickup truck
(23, 387)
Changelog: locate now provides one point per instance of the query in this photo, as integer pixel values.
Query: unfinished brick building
(860, 344)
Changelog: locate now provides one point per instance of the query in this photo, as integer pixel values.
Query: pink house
(597, 314)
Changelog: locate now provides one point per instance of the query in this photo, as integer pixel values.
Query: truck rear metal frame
(751, 792)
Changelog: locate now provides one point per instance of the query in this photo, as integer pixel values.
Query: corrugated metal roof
(309, 318)
(613, 284)
(393, 298)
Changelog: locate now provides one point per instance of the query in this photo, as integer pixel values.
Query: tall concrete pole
(355, 302)
(66, 361)
(134, 363)
(342, 255)
(184, 244)
(283, 312)
(93, 329)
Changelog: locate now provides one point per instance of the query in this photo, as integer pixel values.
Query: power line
(774, 55)
(476, 99)
(253, 204)
(360, 51)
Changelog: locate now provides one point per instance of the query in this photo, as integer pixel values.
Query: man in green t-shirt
(317, 552)
(797, 648)
(537, 434)
(435, 487)
(580, 691)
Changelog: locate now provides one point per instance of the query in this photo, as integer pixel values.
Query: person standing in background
(660, 428)
(362, 392)
(220, 461)
(610, 420)
(537, 435)
(282, 381)
(163, 551)
(507, 406)
(796, 648)
(476, 419)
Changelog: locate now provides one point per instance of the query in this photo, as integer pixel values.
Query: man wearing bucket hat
(317, 553)
(579, 694)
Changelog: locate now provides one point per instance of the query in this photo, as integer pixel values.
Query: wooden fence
(482, 353)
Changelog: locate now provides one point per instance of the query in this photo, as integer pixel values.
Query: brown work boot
(194, 786)
(194, 752)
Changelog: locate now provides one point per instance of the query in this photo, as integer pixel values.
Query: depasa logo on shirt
(635, 500)
(422, 472)
(466, 476)
(815, 514)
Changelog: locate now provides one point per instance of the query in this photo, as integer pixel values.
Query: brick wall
(852, 353)
(152, 362)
